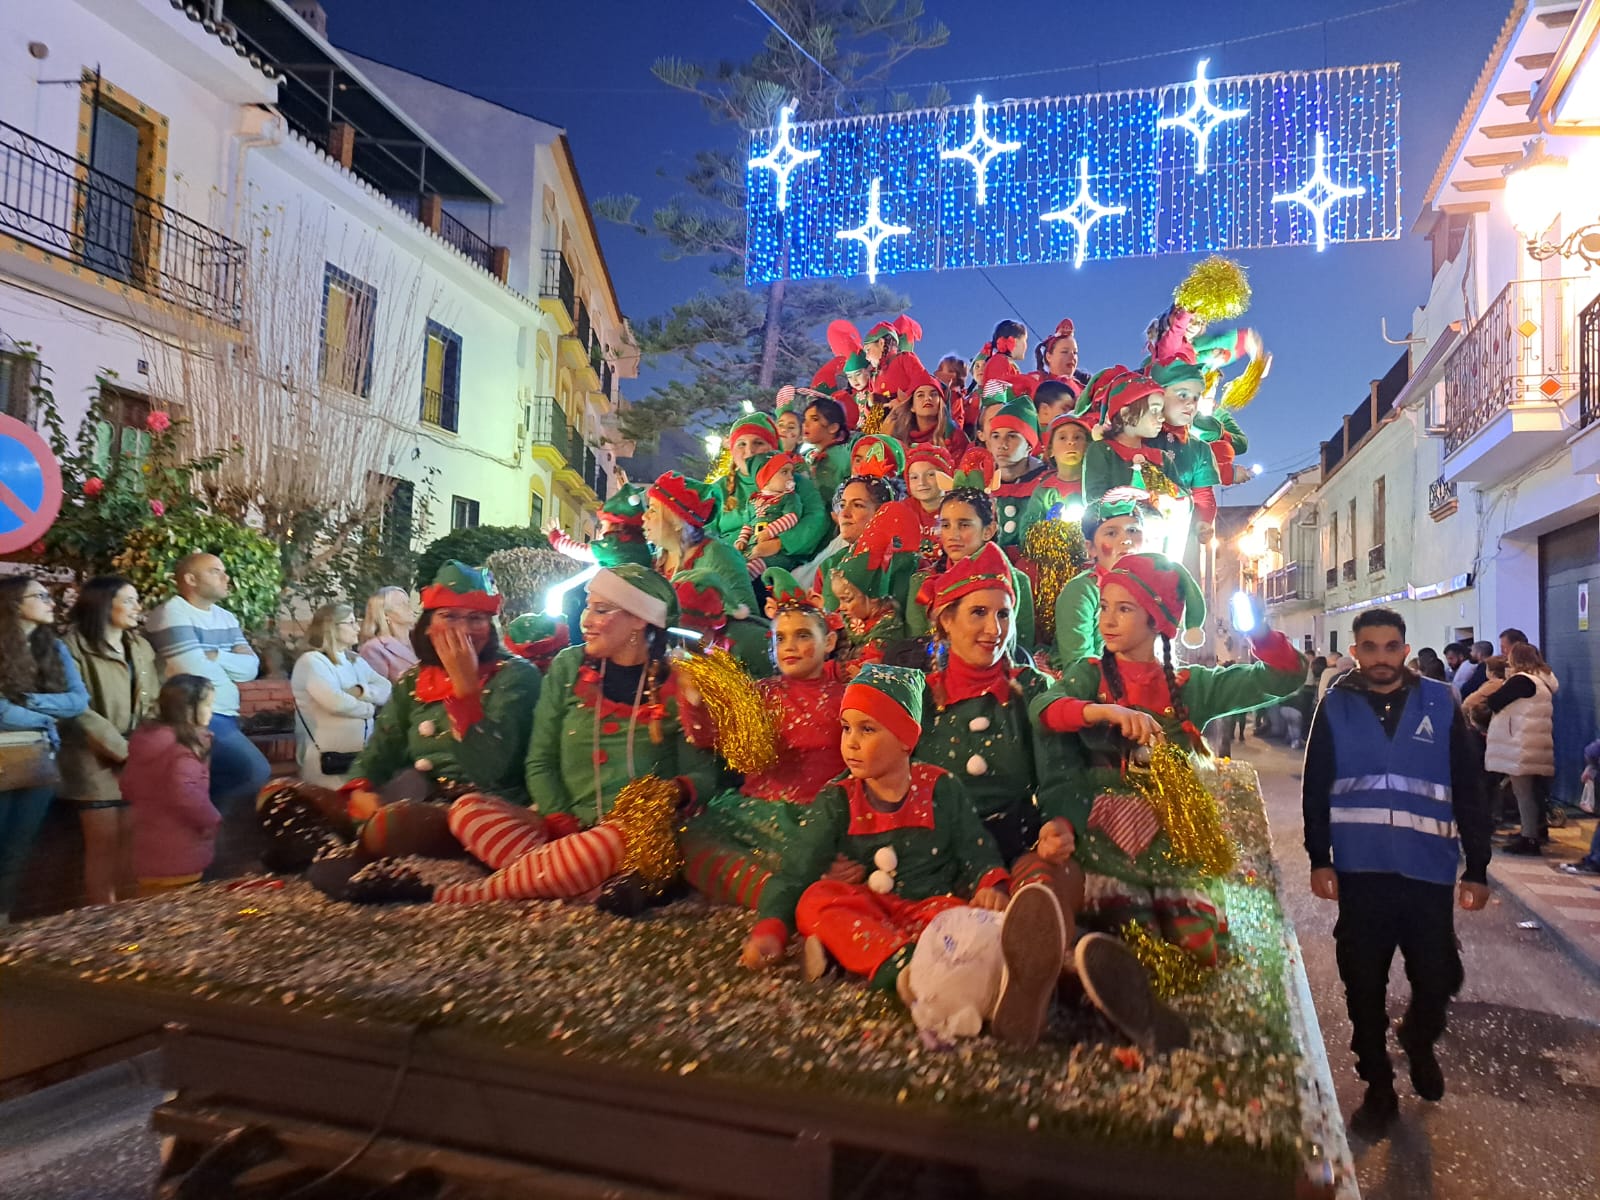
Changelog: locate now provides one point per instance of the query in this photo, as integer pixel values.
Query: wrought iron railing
(558, 281)
(1375, 560)
(1520, 351)
(607, 380)
(441, 409)
(65, 206)
(549, 426)
(1441, 497)
(581, 322)
(464, 240)
(1282, 584)
(1589, 363)
(1348, 571)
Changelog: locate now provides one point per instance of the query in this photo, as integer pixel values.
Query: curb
(142, 1070)
(1550, 921)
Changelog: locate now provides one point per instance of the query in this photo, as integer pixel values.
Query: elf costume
(621, 537)
(1010, 499)
(691, 501)
(1074, 382)
(732, 847)
(1078, 603)
(1110, 463)
(879, 566)
(732, 492)
(938, 851)
(897, 363)
(1054, 491)
(785, 506)
(928, 549)
(1186, 460)
(879, 455)
(479, 741)
(830, 467)
(1133, 870)
(1227, 441)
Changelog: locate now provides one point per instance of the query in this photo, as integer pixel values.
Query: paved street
(1521, 1117)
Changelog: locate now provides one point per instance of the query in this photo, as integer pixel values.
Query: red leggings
(861, 928)
(530, 858)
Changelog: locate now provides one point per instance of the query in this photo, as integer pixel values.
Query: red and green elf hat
(1018, 413)
(765, 466)
(784, 594)
(892, 696)
(460, 586)
(758, 423)
(689, 498)
(1177, 371)
(625, 508)
(1093, 396)
(1061, 421)
(856, 362)
(878, 454)
(902, 331)
(1163, 588)
(976, 470)
(702, 602)
(927, 452)
(1113, 390)
(1102, 510)
(988, 568)
(884, 555)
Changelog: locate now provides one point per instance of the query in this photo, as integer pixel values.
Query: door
(109, 215)
(1570, 558)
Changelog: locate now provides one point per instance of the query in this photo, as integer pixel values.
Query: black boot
(624, 895)
(1378, 1110)
(1427, 1080)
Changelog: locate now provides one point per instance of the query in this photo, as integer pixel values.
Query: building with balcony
(1279, 556)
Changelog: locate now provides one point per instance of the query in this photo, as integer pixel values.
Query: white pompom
(978, 724)
(427, 729)
(1010, 526)
(886, 859)
(881, 882)
(977, 765)
(424, 765)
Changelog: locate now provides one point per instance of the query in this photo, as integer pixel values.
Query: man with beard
(1393, 795)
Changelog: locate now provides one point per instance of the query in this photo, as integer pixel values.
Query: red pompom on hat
(686, 497)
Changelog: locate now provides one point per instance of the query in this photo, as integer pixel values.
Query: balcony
(547, 434)
(1375, 561)
(62, 205)
(1441, 498)
(1333, 578)
(1506, 381)
(558, 290)
(440, 409)
(1589, 363)
(1282, 585)
(1348, 571)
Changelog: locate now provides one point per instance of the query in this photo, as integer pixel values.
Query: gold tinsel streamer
(722, 466)
(1156, 482)
(745, 735)
(645, 811)
(1173, 972)
(1241, 390)
(1216, 289)
(873, 421)
(1188, 812)
(1057, 548)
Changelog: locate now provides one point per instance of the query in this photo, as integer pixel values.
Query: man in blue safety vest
(1393, 796)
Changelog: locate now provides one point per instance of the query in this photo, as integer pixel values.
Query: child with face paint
(1126, 407)
(1189, 462)
(1111, 528)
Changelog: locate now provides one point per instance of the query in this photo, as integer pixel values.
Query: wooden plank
(1535, 62)
(1503, 158)
(1557, 20)
(1519, 129)
(1464, 206)
(1494, 183)
(1515, 99)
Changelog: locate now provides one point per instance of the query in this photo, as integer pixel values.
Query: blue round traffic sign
(30, 485)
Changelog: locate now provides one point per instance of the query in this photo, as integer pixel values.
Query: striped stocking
(559, 870)
(721, 873)
(495, 832)
(1190, 920)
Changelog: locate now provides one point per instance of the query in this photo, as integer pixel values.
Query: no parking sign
(30, 485)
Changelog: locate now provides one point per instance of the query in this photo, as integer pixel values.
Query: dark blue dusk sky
(585, 67)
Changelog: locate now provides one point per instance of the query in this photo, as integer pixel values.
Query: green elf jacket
(1094, 756)
(1188, 461)
(942, 847)
(491, 752)
(918, 623)
(1078, 618)
(728, 518)
(1053, 491)
(1210, 429)
(1109, 464)
(830, 468)
(748, 634)
(1011, 500)
(574, 767)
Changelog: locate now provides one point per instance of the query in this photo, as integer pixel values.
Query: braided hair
(1118, 691)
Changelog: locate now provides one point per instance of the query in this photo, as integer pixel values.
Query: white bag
(1586, 798)
(955, 973)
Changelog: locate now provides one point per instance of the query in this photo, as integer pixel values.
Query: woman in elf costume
(929, 470)
(826, 429)
(1126, 409)
(1065, 445)
(921, 417)
(753, 435)
(778, 530)
(1139, 868)
(675, 520)
(1056, 358)
(734, 845)
(1013, 438)
(858, 500)
(870, 587)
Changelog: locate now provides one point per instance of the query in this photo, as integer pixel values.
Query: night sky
(586, 67)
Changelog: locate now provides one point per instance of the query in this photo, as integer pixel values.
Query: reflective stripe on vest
(1427, 789)
(1392, 816)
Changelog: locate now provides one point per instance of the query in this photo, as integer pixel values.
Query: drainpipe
(270, 134)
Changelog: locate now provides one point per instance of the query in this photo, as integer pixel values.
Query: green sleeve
(1241, 443)
(697, 767)
(828, 469)
(385, 754)
(1036, 509)
(1024, 614)
(830, 602)
(726, 522)
(1193, 465)
(1102, 471)
(1061, 760)
(817, 840)
(1078, 619)
(969, 837)
(493, 752)
(812, 528)
(547, 791)
(1213, 692)
(728, 565)
(916, 617)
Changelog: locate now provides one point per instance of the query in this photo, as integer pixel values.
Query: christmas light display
(1293, 159)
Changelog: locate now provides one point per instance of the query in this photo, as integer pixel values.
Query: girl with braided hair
(997, 361)
(1133, 695)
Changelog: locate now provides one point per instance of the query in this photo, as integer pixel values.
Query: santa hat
(919, 377)
(892, 696)
(766, 466)
(1064, 328)
(460, 586)
(988, 568)
(638, 591)
(758, 423)
(927, 452)
(1018, 414)
(690, 499)
(883, 557)
(1163, 588)
(877, 454)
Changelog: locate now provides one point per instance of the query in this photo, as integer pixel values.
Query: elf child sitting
(774, 510)
(1126, 407)
(1065, 445)
(1112, 528)
(910, 828)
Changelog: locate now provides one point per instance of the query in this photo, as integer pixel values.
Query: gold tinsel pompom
(872, 422)
(645, 811)
(1216, 289)
(1057, 548)
(1172, 971)
(1188, 812)
(722, 466)
(1241, 390)
(745, 735)
(1155, 482)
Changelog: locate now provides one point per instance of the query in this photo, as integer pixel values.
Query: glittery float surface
(666, 993)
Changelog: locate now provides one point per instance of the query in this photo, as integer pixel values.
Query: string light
(1142, 160)
(980, 150)
(1202, 116)
(1083, 212)
(783, 156)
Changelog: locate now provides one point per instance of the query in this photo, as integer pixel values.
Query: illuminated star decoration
(783, 156)
(1202, 116)
(1319, 194)
(872, 232)
(980, 149)
(1083, 212)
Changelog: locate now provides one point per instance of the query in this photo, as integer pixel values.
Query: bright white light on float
(1242, 612)
(1257, 469)
(1072, 510)
(555, 599)
(713, 444)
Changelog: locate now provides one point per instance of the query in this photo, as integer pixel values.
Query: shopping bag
(1586, 798)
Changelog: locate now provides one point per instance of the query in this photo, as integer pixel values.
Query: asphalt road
(1520, 1119)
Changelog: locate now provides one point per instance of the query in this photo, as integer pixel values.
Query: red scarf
(433, 685)
(959, 681)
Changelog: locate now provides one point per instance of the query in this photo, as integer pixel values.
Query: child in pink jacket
(166, 782)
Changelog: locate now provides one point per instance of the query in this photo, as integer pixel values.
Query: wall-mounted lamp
(1540, 188)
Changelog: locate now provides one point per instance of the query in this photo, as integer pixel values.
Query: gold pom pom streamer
(872, 422)
(1173, 972)
(1057, 548)
(1216, 289)
(1188, 812)
(745, 735)
(645, 813)
(723, 465)
(1243, 388)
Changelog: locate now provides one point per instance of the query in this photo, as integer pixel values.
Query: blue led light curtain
(1296, 159)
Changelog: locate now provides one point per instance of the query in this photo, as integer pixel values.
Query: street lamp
(1538, 189)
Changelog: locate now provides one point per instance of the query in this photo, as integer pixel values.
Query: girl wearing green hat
(752, 436)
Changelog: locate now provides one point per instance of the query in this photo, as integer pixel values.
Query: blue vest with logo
(1390, 801)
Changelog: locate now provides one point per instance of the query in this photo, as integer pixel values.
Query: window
(120, 432)
(348, 310)
(463, 513)
(1378, 507)
(397, 521)
(535, 509)
(1352, 528)
(1333, 641)
(1333, 540)
(18, 374)
(441, 378)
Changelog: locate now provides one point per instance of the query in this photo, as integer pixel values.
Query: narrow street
(1521, 1059)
